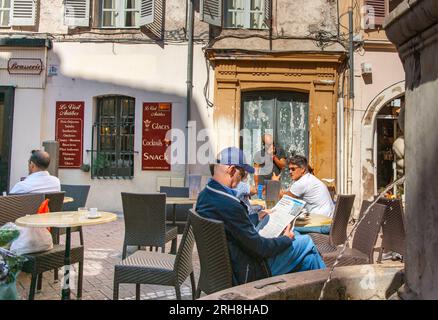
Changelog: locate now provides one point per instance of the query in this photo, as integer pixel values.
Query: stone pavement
(103, 249)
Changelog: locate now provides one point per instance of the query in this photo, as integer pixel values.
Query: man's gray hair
(40, 158)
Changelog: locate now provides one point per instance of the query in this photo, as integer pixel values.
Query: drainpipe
(351, 99)
(190, 26)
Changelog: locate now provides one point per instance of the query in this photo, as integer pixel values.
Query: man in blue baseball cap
(252, 256)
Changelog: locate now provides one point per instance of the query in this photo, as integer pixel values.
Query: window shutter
(378, 10)
(211, 12)
(147, 12)
(23, 12)
(77, 13)
(267, 12)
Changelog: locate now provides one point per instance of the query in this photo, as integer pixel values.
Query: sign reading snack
(157, 121)
(69, 132)
(25, 66)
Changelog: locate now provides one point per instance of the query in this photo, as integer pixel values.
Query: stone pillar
(413, 28)
(52, 148)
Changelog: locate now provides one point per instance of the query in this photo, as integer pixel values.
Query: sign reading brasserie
(69, 132)
(25, 66)
(157, 120)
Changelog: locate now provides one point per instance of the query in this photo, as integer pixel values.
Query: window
(248, 14)
(120, 13)
(113, 132)
(5, 11)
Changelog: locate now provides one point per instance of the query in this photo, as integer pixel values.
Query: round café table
(67, 220)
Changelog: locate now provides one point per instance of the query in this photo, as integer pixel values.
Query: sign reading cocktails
(69, 132)
(157, 121)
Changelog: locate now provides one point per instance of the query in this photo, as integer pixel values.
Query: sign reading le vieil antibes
(157, 121)
(69, 132)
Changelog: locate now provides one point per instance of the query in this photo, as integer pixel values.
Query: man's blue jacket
(248, 250)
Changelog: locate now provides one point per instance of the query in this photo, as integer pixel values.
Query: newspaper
(287, 210)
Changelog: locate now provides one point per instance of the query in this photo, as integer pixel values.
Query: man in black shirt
(269, 162)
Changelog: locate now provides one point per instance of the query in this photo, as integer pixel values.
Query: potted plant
(10, 263)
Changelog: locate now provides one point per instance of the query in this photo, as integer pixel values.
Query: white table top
(175, 200)
(63, 219)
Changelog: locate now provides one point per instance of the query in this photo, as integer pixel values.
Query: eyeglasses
(242, 172)
(293, 168)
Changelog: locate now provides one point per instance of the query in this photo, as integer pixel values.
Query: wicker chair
(180, 210)
(145, 222)
(144, 267)
(216, 272)
(393, 228)
(17, 206)
(364, 240)
(338, 229)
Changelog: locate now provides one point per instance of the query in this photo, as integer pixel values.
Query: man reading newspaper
(252, 256)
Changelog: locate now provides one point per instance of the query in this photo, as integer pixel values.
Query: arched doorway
(369, 136)
(390, 162)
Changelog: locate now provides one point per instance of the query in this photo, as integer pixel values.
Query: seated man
(309, 188)
(39, 179)
(252, 256)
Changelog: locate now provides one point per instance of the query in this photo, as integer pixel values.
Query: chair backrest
(144, 216)
(56, 200)
(341, 215)
(273, 188)
(180, 192)
(393, 227)
(181, 211)
(368, 229)
(216, 272)
(184, 256)
(16, 206)
(79, 193)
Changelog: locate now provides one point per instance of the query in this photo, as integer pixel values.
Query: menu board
(157, 121)
(69, 132)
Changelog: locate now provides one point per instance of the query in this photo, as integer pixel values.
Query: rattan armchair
(17, 206)
(145, 222)
(143, 267)
(181, 210)
(216, 272)
(338, 229)
(364, 240)
(393, 228)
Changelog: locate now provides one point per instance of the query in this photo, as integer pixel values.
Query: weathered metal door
(283, 114)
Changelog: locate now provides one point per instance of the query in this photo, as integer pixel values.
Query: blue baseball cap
(234, 156)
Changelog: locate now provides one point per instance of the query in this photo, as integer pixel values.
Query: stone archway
(368, 123)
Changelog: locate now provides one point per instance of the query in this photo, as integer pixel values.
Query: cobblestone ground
(103, 249)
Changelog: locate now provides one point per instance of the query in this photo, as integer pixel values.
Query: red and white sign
(157, 121)
(69, 132)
